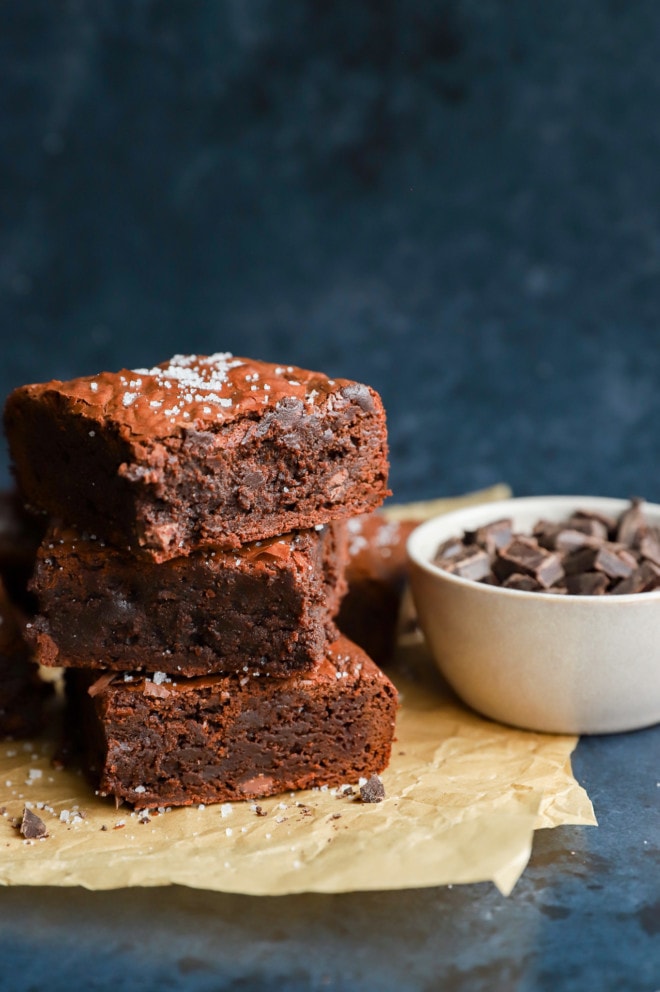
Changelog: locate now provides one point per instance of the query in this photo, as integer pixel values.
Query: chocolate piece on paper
(373, 791)
(32, 827)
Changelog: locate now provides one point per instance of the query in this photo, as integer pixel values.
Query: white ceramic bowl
(542, 661)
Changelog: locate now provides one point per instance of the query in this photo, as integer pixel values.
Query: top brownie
(198, 451)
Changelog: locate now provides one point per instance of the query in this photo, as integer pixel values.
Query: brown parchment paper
(464, 796)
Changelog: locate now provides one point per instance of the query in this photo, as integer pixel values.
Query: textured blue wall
(457, 202)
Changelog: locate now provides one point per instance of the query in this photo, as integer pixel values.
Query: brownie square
(220, 738)
(198, 451)
(22, 692)
(376, 574)
(265, 607)
(20, 536)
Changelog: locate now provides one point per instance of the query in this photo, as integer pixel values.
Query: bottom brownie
(223, 737)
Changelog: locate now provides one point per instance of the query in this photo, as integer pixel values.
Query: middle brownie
(266, 607)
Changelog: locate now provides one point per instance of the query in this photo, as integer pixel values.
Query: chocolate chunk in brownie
(376, 575)
(199, 451)
(22, 692)
(221, 738)
(266, 607)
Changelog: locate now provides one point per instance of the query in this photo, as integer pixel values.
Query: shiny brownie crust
(221, 738)
(198, 451)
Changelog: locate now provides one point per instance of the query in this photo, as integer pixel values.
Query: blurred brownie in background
(376, 575)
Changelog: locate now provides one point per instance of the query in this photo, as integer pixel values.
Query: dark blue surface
(458, 203)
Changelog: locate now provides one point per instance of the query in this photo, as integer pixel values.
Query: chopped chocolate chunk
(567, 539)
(545, 532)
(524, 582)
(471, 563)
(450, 548)
(523, 555)
(492, 536)
(592, 523)
(373, 791)
(649, 547)
(604, 559)
(32, 827)
(587, 584)
(643, 579)
(631, 524)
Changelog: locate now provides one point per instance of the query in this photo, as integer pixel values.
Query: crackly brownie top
(197, 390)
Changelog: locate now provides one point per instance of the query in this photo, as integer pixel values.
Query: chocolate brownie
(199, 451)
(22, 692)
(20, 536)
(266, 607)
(157, 742)
(376, 574)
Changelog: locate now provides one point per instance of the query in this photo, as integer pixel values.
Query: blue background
(457, 202)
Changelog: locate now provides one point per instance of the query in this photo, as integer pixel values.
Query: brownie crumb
(373, 791)
(32, 827)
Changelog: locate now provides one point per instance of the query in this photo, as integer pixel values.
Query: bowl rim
(420, 558)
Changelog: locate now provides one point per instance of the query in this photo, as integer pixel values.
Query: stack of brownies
(193, 568)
